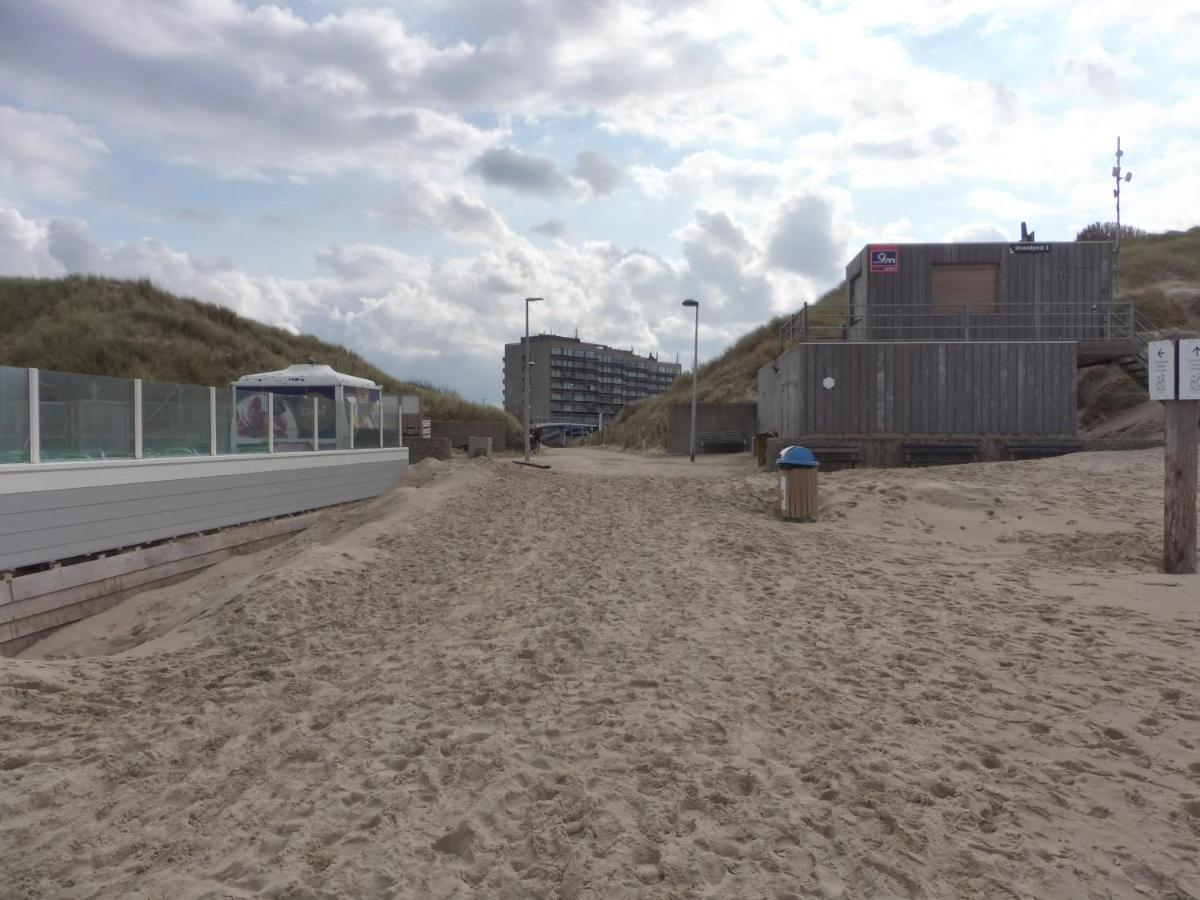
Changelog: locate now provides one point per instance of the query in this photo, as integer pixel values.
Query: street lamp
(695, 374)
(528, 351)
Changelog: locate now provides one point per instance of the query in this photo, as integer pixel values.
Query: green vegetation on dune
(131, 329)
(730, 377)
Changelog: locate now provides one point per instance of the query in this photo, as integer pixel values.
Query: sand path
(626, 678)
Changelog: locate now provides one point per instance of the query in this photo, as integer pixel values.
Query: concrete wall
(54, 511)
(920, 389)
(425, 448)
(710, 417)
(459, 432)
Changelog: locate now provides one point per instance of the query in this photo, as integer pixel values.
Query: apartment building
(573, 381)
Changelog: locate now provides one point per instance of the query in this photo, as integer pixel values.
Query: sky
(398, 176)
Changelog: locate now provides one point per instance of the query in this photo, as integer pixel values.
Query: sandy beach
(626, 678)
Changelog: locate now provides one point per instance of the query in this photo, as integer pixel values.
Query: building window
(975, 287)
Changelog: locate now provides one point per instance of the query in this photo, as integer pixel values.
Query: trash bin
(797, 484)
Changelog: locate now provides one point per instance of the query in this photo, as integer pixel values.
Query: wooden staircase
(1136, 367)
(1137, 364)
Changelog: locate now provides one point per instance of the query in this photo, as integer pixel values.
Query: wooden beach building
(968, 345)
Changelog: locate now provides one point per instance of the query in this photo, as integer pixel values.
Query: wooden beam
(34, 605)
(1179, 487)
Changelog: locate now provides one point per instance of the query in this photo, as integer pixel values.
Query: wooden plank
(44, 614)
(46, 622)
(42, 603)
(64, 577)
(1179, 487)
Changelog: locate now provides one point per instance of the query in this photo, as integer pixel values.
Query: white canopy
(302, 375)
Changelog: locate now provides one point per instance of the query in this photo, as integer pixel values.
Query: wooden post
(1179, 487)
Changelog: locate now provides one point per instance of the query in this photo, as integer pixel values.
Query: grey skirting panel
(44, 525)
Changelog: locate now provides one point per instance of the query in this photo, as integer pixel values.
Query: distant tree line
(1107, 231)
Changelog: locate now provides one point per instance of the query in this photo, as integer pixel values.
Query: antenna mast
(1116, 173)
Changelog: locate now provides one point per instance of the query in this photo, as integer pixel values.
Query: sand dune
(626, 678)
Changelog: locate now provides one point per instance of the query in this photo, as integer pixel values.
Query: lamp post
(695, 374)
(528, 351)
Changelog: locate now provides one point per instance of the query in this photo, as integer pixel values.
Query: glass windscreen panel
(365, 416)
(14, 415)
(293, 423)
(296, 411)
(84, 417)
(249, 421)
(391, 421)
(174, 420)
(327, 426)
(226, 429)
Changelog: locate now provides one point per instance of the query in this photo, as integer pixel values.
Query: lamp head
(691, 302)
(533, 299)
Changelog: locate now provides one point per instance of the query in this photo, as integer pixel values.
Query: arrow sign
(1162, 370)
(1189, 369)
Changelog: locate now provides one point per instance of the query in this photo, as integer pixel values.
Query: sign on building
(1189, 369)
(1162, 370)
(885, 259)
(1028, 248)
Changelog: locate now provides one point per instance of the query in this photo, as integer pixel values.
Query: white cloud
(598, 171)
(45, 154)
(980, 232)
(510, 168)
(23, 247)
(445, 318)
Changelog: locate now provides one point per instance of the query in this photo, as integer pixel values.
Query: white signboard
(1189, 369)
(1162, 370)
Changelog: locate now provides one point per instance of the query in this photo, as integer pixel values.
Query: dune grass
(132, 329)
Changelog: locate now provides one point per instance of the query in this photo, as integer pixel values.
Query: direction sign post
(1182, 409)
(1162, 370)
(1189, 369)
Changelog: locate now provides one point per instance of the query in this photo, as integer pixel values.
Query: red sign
(885, 259)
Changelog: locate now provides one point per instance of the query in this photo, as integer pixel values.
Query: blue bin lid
(796, 458)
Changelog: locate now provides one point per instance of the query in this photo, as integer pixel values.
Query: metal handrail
(1015, 321)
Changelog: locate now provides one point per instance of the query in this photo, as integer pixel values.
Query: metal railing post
(270, 422)
(137, 418)
(316, 408)
(35, 418)
(379, 418)
(212, 421)
(966, 320)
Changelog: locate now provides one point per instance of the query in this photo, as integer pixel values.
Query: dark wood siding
(963, 388)
(1062, 294)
